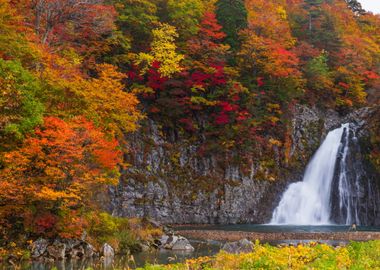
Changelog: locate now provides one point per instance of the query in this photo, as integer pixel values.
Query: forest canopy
(78, 76)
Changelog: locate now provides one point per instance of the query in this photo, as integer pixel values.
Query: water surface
(267, 228)
(202, 248)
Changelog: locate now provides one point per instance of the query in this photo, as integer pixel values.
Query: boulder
(39, 247)
(170, 242)
(182, 244)
(61, 249)
(72, 246)
(77, 252)
(242, 246)
(79, 249)
(163, 240)
(175, 242)
(89, 250)
(156, 243)
(107, 251)
(57, 250)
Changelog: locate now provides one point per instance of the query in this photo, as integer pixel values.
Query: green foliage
(321, 25)
(20, 109)
(232, 15)
(120, 46)
(185, 16)
(327, 35)
(318, 66)
(319, 77)
(105, 228)
(314, 9)
(365, 255)
(121, 233)
(137, 18)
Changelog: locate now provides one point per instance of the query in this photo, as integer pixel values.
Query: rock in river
(242, 246)
(174, 242)
(182, 244)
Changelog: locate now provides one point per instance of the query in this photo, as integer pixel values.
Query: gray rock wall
(170, 183)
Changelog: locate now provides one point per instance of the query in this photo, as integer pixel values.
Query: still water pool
(202, 248)
(279, 228)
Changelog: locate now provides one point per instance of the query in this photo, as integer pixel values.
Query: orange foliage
(269, 20)
(102, 99)
(266, 56)
(106, 98)
(58, 169)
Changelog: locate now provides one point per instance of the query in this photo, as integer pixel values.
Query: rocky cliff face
(356, 186)
(169, 182)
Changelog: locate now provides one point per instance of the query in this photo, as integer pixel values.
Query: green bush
(20, 108)
(105, 228)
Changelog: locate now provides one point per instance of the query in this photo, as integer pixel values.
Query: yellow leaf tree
(163, 52)
(107, 102)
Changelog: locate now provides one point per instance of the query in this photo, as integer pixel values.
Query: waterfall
(309, 202)
(348, 192)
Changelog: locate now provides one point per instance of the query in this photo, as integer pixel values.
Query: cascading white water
(347, 203)
(308, 202)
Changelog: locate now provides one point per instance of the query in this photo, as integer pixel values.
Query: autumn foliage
(77, 77)
(57, 170)
(62, 130)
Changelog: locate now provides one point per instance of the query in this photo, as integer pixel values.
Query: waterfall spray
(308, 202)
